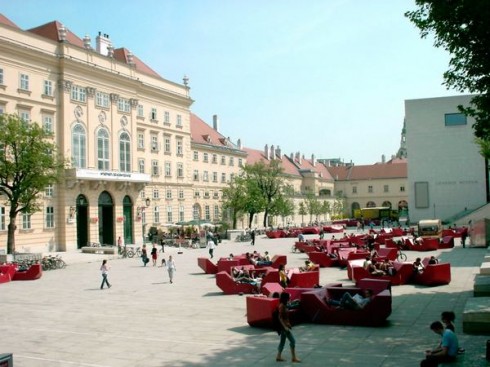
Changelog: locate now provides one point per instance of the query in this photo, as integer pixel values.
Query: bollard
(488, 350)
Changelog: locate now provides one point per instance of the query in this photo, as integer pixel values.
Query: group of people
(255, 258)
(379, 268)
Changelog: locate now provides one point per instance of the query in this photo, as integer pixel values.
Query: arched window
(79, 146)
(386, 203)
(103, 149)
(124, 153)
(370, 204)
(196, 212)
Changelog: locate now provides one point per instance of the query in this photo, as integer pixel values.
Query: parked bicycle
(401, 256)
(243, 237)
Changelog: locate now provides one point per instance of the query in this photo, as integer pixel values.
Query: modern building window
(156, 194)
(168, 194)
(141, 140)
(180, 147)
(24, 82)
(124, 153)
(421, 194)
(169, 214)
(179, 121)
(3, 227)
(49, 217)
(102, 99)
(155, 169)
(141, 165)
(153, 114)
(181, 213)
(48, 123)
(48, 88)
(454, 119)
(167, 144)
(354, 189)
(26, 221)
(49, 191)
(168, 169)
(195, 155)
(79, 146)
(370, 189)
(386, 188)
(205, 157)
(123, 105)
(141, 111)
(180, 169)
(103, 149)
(78, 93)
(214, 159)
(156, 214)
(166, 117)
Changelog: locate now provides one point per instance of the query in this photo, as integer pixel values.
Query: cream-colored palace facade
(137, 156)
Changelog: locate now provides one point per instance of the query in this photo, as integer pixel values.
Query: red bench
(447, 242)
(306, 279)
(34, 272)
(427, 244)
(322, 259)
(227, 284)
(207, 265)
(403, 273)
(434, 274)
(7, 272)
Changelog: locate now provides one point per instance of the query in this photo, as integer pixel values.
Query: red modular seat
(227, 284)
(34, 272)
(275, 234)
(305, 246)
(427, 244)
(306, 279)
(7, 272)
(310, 230)
(397, 232)
(446, 242)
(322, 259)
(316, 310)
(207, 265)
(356, 272)
(269, 288)
(435, 274)
(271, 276)
(390, 243)
(278, 260)
(388, 253)
(350, 253)
(226, 264)
(334, 228)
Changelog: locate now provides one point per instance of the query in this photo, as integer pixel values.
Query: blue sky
(323, 77)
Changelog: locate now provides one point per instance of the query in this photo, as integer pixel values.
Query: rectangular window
(141, 112)
(354, 189)
(181, 193)
(215, 176)
(215, 195)
(240, 162)
(169, 214)
(205, 176)
(26, 221)
(402, 188)
(48, 88)
(223, 177)
(181, 213)
(168, 194)
(454, 119)
(232, 176)
(214, 159)
(386, 188)
(141, 165)
(195, 176)
(154, 143)
(205, 157)
(168, 146)
(180, 169)
(180, 147)
(206, 194)
(49, 217)
(153, 114)
(2, 109)
(123, 105)
(142, 194)
(370, 189)
(141, 140)
(216, 212)
(156, 214)
(24, 82)
(2, 219)
(223, 160)
(197, 194)
(155, 170)
(48, 191)
(102, 99)
(25, 115)
(421, 194)
(78, 93)
(156, 194)
(195, 155)
(166, 117)
(207, 214)
(48, 123)
(168, 169)
(232, 161)
(179, 121)
(1, 76)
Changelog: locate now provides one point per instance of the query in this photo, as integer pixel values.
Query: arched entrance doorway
(355, 209)
(128, 219)
(106, 219)
(82, 221)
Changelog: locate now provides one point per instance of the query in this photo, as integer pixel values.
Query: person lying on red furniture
(349, 302)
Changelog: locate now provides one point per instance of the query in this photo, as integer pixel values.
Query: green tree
(282, 206)
(302, 211)
(462, 27)
(326, 209)
(28, 163)
(269, 181)
(234, 198)
(338, 205)
(313, 206)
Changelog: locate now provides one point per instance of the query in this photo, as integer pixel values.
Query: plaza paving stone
(64, 319)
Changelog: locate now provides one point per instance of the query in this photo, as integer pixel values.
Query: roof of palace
(391, 169)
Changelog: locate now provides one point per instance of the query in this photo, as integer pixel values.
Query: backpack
(276, 324)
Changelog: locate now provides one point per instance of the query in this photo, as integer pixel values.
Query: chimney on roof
(278, 152)
(296, 157)
(130, 58)
(272, 153)
(266, 152)
(383, 159)
(291, 156)
(300, 158)
(313, 162)
(239, 143)
(102, 44)
(62, 33)
(87, 42)
(216, 123)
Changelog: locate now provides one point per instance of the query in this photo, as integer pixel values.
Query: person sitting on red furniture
(349, 302)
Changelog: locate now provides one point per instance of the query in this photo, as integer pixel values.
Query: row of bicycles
(49, 262)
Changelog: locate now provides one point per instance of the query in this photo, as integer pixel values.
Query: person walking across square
(171, 268)
(104, 269)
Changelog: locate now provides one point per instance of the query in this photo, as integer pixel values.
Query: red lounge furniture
(322, 259)
(305, 246)
(271, 276)
(388, 253)
(447, 242)
(276, 261)
(390, 243)
(435, 274)
(427, 244)
(333, 229)
(275, 234)
(316, 310)
(404, 272)
(260, 309)
(397, 232)
(306, 279)
(34, 272)
(350, 253)
(226, 265)
(310, 230)
(7, 272)
(227, 284)
(269, 288)
(207, 265)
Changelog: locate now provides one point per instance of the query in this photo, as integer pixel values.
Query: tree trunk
(11, 234)
(250, 219)
(266, 213)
